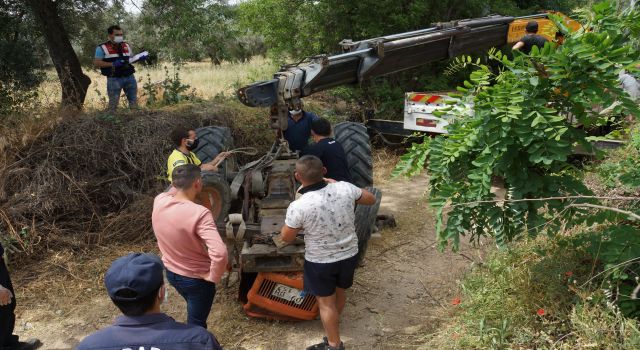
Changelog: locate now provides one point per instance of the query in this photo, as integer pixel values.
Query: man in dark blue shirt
(328, 150)
(135, 284)
(7, 317)
(299, 129)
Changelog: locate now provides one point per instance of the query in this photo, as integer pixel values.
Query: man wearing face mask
(112, 57)
(185, 141)
(299, 128)
(135, 284)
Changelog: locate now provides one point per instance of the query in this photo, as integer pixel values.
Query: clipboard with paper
(141, 56)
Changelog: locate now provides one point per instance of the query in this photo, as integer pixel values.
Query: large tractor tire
(366, 222)
(355, 140)
(215, 195)
(212, 141)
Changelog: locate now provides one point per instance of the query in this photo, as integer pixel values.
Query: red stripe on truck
(433, 99)
(417, 97)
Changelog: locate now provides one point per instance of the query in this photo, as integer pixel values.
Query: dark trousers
(199, 295)
(7, 317)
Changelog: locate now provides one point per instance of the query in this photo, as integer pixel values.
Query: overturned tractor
(249, 204)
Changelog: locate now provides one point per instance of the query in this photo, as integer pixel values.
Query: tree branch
(544, 199)
(617, 210)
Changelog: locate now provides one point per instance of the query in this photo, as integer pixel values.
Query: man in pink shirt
(193, 253)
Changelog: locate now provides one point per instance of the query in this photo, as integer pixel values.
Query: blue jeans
(199, 295)
(114, 87)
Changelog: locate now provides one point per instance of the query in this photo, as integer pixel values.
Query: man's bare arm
(518, 45)
(208, 167)
(102, 64)
(288, 234)
(215, 163)
(367, 198)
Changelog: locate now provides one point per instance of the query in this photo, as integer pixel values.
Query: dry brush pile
(90, 179)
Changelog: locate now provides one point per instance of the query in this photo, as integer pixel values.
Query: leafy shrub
(616, 251)
(540, 294)
(518, 132)
(15, 97)
(621, 170)
(169, 91)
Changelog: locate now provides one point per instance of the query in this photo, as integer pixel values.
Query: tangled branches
(88, 179)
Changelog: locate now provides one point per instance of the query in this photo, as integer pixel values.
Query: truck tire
(366, 222)
(213, 140)
(215, 195)
(355, 140)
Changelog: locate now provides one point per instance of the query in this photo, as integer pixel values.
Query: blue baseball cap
(138, 273)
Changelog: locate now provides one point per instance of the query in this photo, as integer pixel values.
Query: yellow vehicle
(546, 27)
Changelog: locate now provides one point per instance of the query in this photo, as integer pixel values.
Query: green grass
(501, 301)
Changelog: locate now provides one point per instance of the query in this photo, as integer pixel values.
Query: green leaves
(413, 161)
(526, 118)
(617, 249)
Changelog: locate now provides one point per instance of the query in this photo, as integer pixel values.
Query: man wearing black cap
(7, 318)
(530, 39)
(135, 284)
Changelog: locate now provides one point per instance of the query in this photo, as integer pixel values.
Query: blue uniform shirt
(99, 53)
(156, 331)
(333, 158)
(298, 133)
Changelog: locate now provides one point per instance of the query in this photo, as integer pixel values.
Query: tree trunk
(74, 82)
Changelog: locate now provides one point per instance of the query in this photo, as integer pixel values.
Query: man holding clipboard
(114, 58)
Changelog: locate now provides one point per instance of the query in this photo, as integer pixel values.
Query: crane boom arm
(370, 58)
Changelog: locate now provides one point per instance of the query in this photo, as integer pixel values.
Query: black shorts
(321, 280)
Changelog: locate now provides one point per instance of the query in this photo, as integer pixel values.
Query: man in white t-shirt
(326, 213)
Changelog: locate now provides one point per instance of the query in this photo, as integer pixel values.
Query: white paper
(135, 58)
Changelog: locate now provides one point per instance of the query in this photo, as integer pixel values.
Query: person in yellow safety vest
(186, 141)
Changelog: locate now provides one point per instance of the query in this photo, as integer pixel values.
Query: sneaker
(30, 344)
(325, 345)
(320, 346)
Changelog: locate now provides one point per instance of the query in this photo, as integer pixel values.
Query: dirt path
(397, 298)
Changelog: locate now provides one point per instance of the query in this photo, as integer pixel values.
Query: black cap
(140, 274)
(532, 27)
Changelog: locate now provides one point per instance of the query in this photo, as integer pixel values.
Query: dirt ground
(400, 295)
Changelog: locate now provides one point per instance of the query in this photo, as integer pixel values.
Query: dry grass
(207, 80)
(384, 161)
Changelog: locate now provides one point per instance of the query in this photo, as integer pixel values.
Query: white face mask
(296, 111)
(118, 39)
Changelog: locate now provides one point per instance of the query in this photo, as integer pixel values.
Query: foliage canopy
(305, 27)
(519, 125)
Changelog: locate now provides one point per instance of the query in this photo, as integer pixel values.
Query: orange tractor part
(280, 296)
